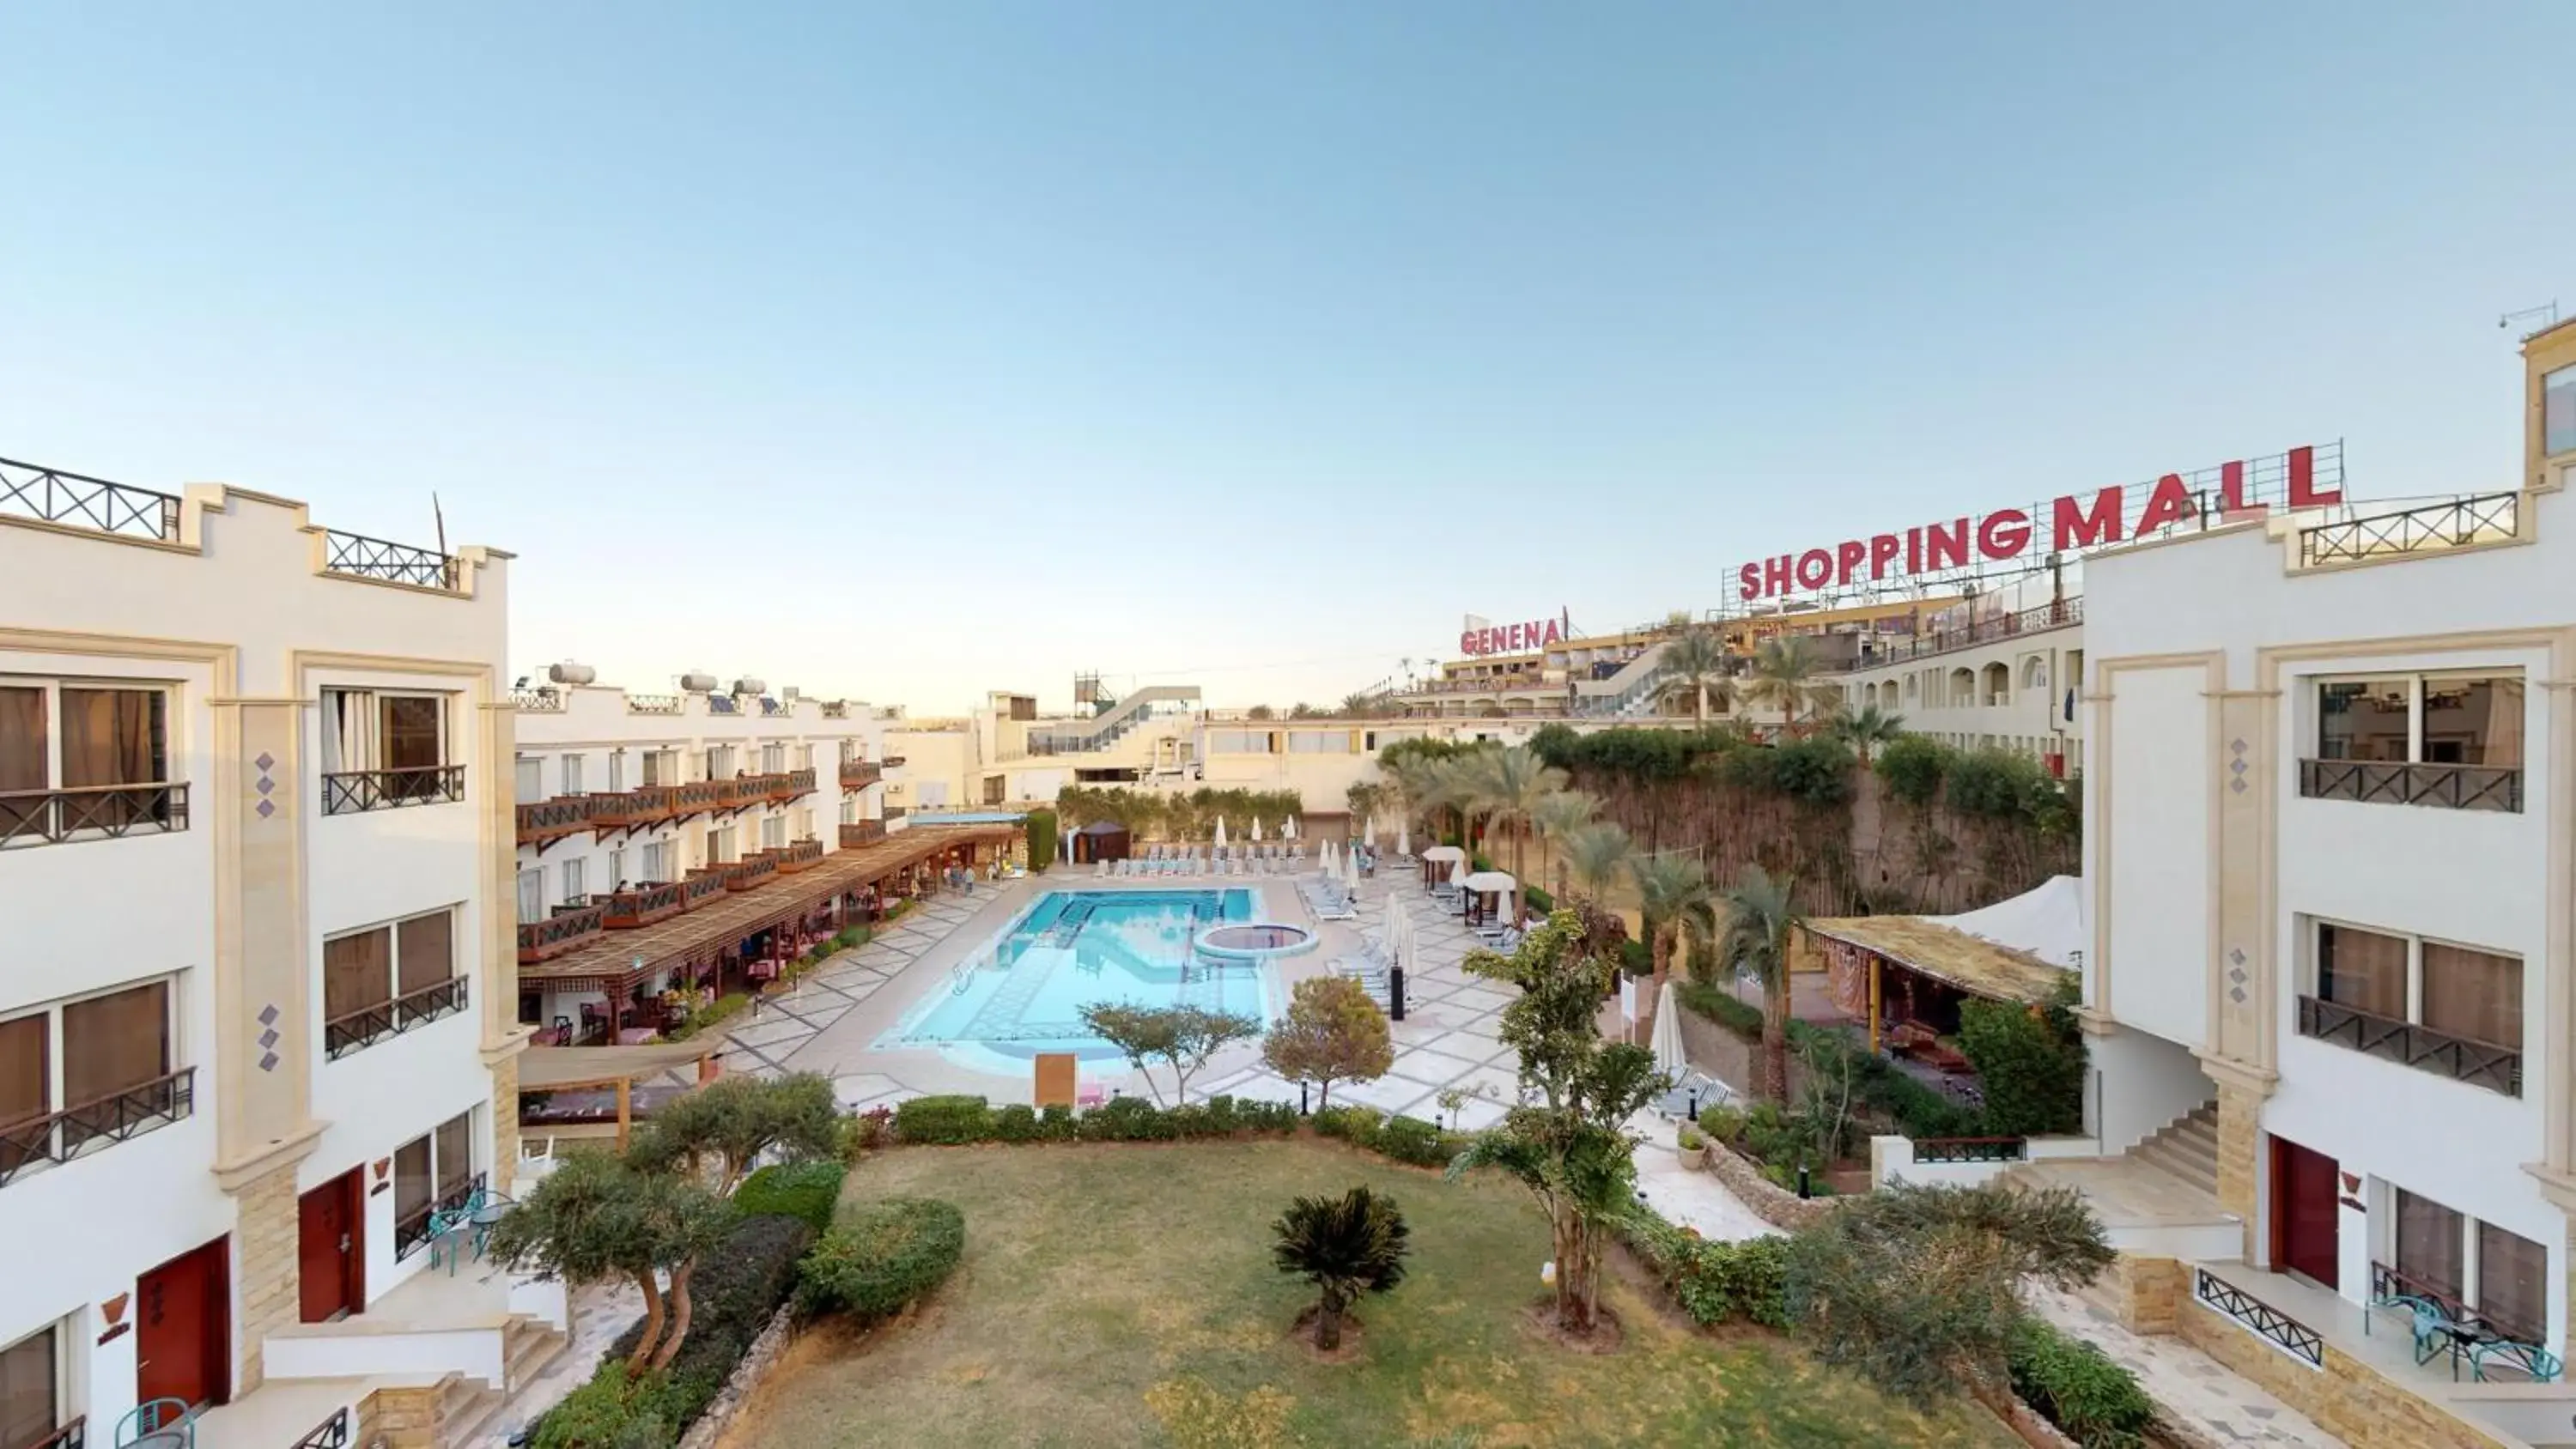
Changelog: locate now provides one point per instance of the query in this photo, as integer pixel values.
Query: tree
(1596, 858)
(1361, 705)
(1760, 915)
(1784, 676)
(725, 1126)
(1180, 1037)
(1367, 800)
(1695, 666)
(1345, 1246)
(1570, 1149)
(1040, 828)
(1867, 729)
(1560, 815)
(1919, 1288)
(1509, 786)
(1260, 711)
(1333, 1033)
(596, 1217)
(1673, 898)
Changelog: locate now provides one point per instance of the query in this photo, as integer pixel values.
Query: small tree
(1040, 827)
(1345, 1246)
(1180, 1037)
(1759, 918)
(1333, 1033)
(723, 1128)
(1919, 1288)
(1570, 1150)
(1866, 730)
(597, 1217)
(1674, 900)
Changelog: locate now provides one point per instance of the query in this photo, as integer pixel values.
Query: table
(636, 1035)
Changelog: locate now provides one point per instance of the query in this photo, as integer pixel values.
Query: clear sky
(911, 351)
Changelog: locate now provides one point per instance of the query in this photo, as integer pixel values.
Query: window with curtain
(2431, 1245)
(576, 883)
(773, 832)
(572, 775)
(23, 739)
(773, 759)
(115, 1043)
(2473, 994)
(528, 780)
(2513, 1283)
(532, 897)
(2364, 970)
(113, 737)
(26, 1078)
(357, 973)
(412, 1195)
(617, 772)
(425, 951)
(453, 1145)
(412, 732)
(657, 863)
(29, 1376)
(849, 810)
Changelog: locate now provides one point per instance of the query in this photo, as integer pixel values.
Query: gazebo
(1908, 974)
(1496, 887)
(599, 1091)
(1440, 862)
(1100, 840)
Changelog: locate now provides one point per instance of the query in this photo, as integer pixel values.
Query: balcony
(2480, 1064)
(408, 1012)
(552, 820)
(652, 704)
(93, 505)
(568, 927)
(894, 812)
(74, 1435)
(634, 809)
(57, 817)
(864, 832)
(354, 792)
(2434, 528)
(701, 886)
(355, 555)
(860, 774)
(412, 1232)
(788, 785)
(67, 1134)
(2381, 782)
(743, 875)
(800, 855)
(642, 905)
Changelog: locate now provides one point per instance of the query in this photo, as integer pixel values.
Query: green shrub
(1911, 766)
(804, 1190)
(1715, 1003)
(1355, 1125)
(2079, 1388)
(1017, 1122)
(867, 1132)
(1125, 1119)
(1721, 1122)
(1280, 1117)
(1997, 784)
(1190, 1119)
(1410, 1139)
(944, 1120)
(733, 1294)
(1056, 1123)
(611, 1411)
(1714, 1282)
(1040, 828)
(882, 1256)
(1635, 959)
(2032, 1073)
(1539, 900)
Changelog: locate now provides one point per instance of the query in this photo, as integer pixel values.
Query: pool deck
(831, 1020)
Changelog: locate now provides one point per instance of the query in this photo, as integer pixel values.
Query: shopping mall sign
(1484, 637)
(2069, 526)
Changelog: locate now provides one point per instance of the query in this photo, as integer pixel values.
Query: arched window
(1998, 683)
(2034, 672)
(1963, 687)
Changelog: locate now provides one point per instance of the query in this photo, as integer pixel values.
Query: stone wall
(266, 1269)
(1770, 1202)
(2346, 1398)
(2240, 1131)
(2142, 1294)
(756, 1362)
(399, 1418)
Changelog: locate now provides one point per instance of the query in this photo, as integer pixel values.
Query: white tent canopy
(1444, 852)
(1487, 882)
(2053, 922)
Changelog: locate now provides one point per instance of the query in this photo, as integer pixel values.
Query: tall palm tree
(1596, 859)
(1674, 898)
(1784, 675)
(1694, 665)
(1345, 1246)
(1509, 787)
(1865, 730)
(1760, 915)
(1560, 815)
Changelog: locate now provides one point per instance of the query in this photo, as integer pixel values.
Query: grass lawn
(1124, 1295)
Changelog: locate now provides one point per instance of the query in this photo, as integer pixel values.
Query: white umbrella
(1220, 832)
(1404, 840)
(1370, 834)
(1351, 871)
(1288, 828)
(1667, 1039)
(1324, 858)
(1256, 830)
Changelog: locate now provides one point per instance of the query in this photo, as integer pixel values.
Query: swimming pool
(1023, 992)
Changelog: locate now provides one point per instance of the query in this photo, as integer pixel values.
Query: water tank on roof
(571, 673)
(698, 681)
(749, 685)
(789, 693)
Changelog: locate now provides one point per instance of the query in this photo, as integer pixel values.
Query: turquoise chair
(2529, 1360)
(167, 1423)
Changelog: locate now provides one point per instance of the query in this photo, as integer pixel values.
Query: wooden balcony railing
(790, 784)
(860, 774)
(554, 819)
(634, 809)
(568, 927)
(643, 904)
(353, 792)
(864, 832)
(365, 1027)
(747, 874)
(800, 855)
(63, 1135)
(701, 885)
(54, 817)
(2382, 782)
(2480, 1064)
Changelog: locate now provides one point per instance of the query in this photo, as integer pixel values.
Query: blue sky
(911, 351)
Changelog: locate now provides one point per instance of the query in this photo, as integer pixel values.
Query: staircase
(2186, 1148)
(466, 1406)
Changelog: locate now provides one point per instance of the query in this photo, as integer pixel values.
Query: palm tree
(1345, 1246)
(1560, 815)
(1866, 730)
(1760, 915)
(1674, 897)
(1510, 786)
(1597, 858)
(1694, 665)
(1784, 674)
(1359, 706)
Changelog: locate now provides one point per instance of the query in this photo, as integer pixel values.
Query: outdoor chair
(2524, 1361)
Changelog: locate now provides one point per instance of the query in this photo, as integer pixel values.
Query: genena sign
(1511, 638)
(2073, 523)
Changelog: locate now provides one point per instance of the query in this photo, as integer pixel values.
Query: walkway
(761, 1041)
(2225, 1407)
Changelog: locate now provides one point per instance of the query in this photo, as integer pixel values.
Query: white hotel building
(2331, 839)
(255, 1018)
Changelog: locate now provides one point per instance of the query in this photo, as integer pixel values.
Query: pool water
(1023, 993)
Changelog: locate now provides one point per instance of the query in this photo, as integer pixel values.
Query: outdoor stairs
(466, 1406)
(2186, 1148)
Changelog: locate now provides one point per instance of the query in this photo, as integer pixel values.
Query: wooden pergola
(607, 1068)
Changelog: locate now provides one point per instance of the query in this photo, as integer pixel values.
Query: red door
(182, 1310)
(331, 1250)
(2304, 1213)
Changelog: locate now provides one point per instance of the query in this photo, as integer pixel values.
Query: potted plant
(1693, 1146)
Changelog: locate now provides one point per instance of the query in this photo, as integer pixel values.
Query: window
(30, 1389)
(387, 980)
(720, 762)
(2431, 1246)
(572, 775)
(805, 823)
(617, 772)
(2404, 724)
(1319, 742)
(2471, 994)
(805, 757)
(532, 898)
(2461, 1261)
(773, 759)
(661, 767)
(849, 810)
(616, 870)
(719, 849)
(2362, 969)
(2433, 1005)
(69, 752)
(2558, 412)
(381, 750)
(528, 779)
(657, 863)
(111, 1051)
(432, 1173)
(773, 832)
(576, 880)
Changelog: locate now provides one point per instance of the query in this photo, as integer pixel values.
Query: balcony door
(182, 1310)
(2304, 1213)
(331, 1249)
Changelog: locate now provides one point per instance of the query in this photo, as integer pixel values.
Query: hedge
(945, 1120)
(2079, 1388)
(956, 1120)
(1405, 1139)
(1718, 1005)
(1040, 828)
(1714, 1282)
(882, 1257)
(804, 1190)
